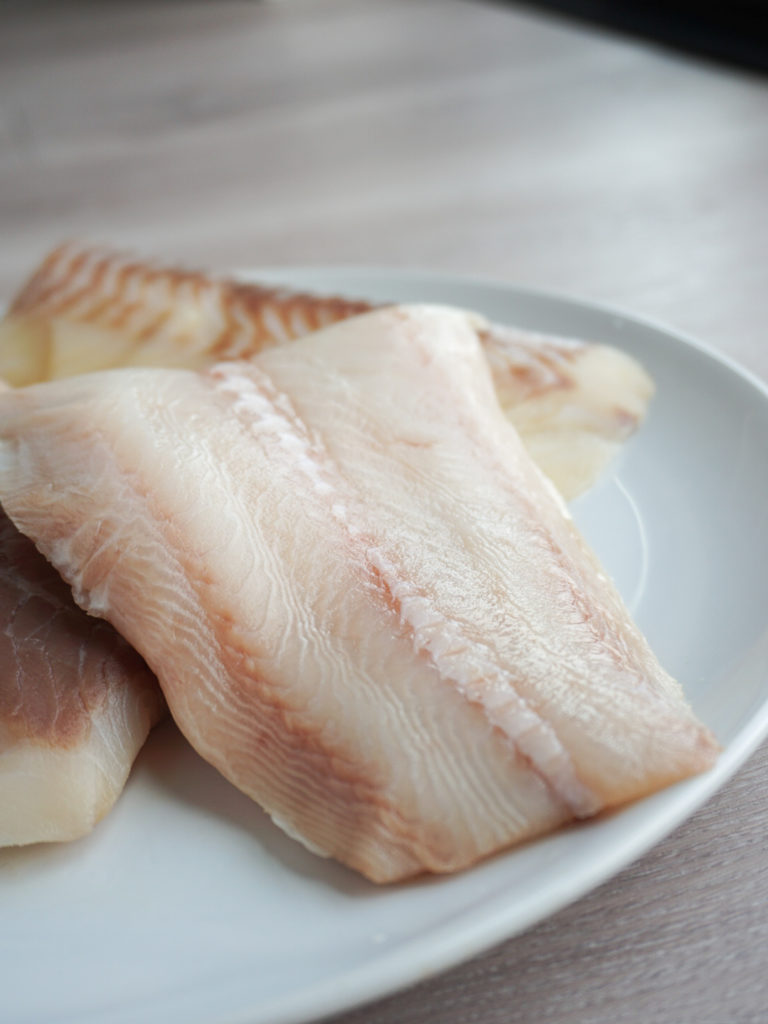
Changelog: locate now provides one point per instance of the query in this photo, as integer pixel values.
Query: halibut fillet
(365, 604)
(88, 308)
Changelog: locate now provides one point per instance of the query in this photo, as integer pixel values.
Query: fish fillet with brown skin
(88, 308)
(365, 604)
(76, 703)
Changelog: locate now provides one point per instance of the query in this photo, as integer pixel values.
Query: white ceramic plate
(188, 905)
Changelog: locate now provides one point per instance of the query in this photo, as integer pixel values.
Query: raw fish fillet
(76, 703)
(365, 604)
(88, 308)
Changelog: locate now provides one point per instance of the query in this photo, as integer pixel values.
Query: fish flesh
(88, 308)
(365, 604)
(76, 703)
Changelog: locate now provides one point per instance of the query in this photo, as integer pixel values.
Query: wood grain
(461, 137)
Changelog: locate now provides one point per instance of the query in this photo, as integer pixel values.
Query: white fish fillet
(88, 308)
(76, 703)
(365, 604)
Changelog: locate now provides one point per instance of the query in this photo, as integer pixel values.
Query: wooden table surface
(458, 136)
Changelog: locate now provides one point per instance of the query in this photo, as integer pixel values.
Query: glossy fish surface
(365, 604)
